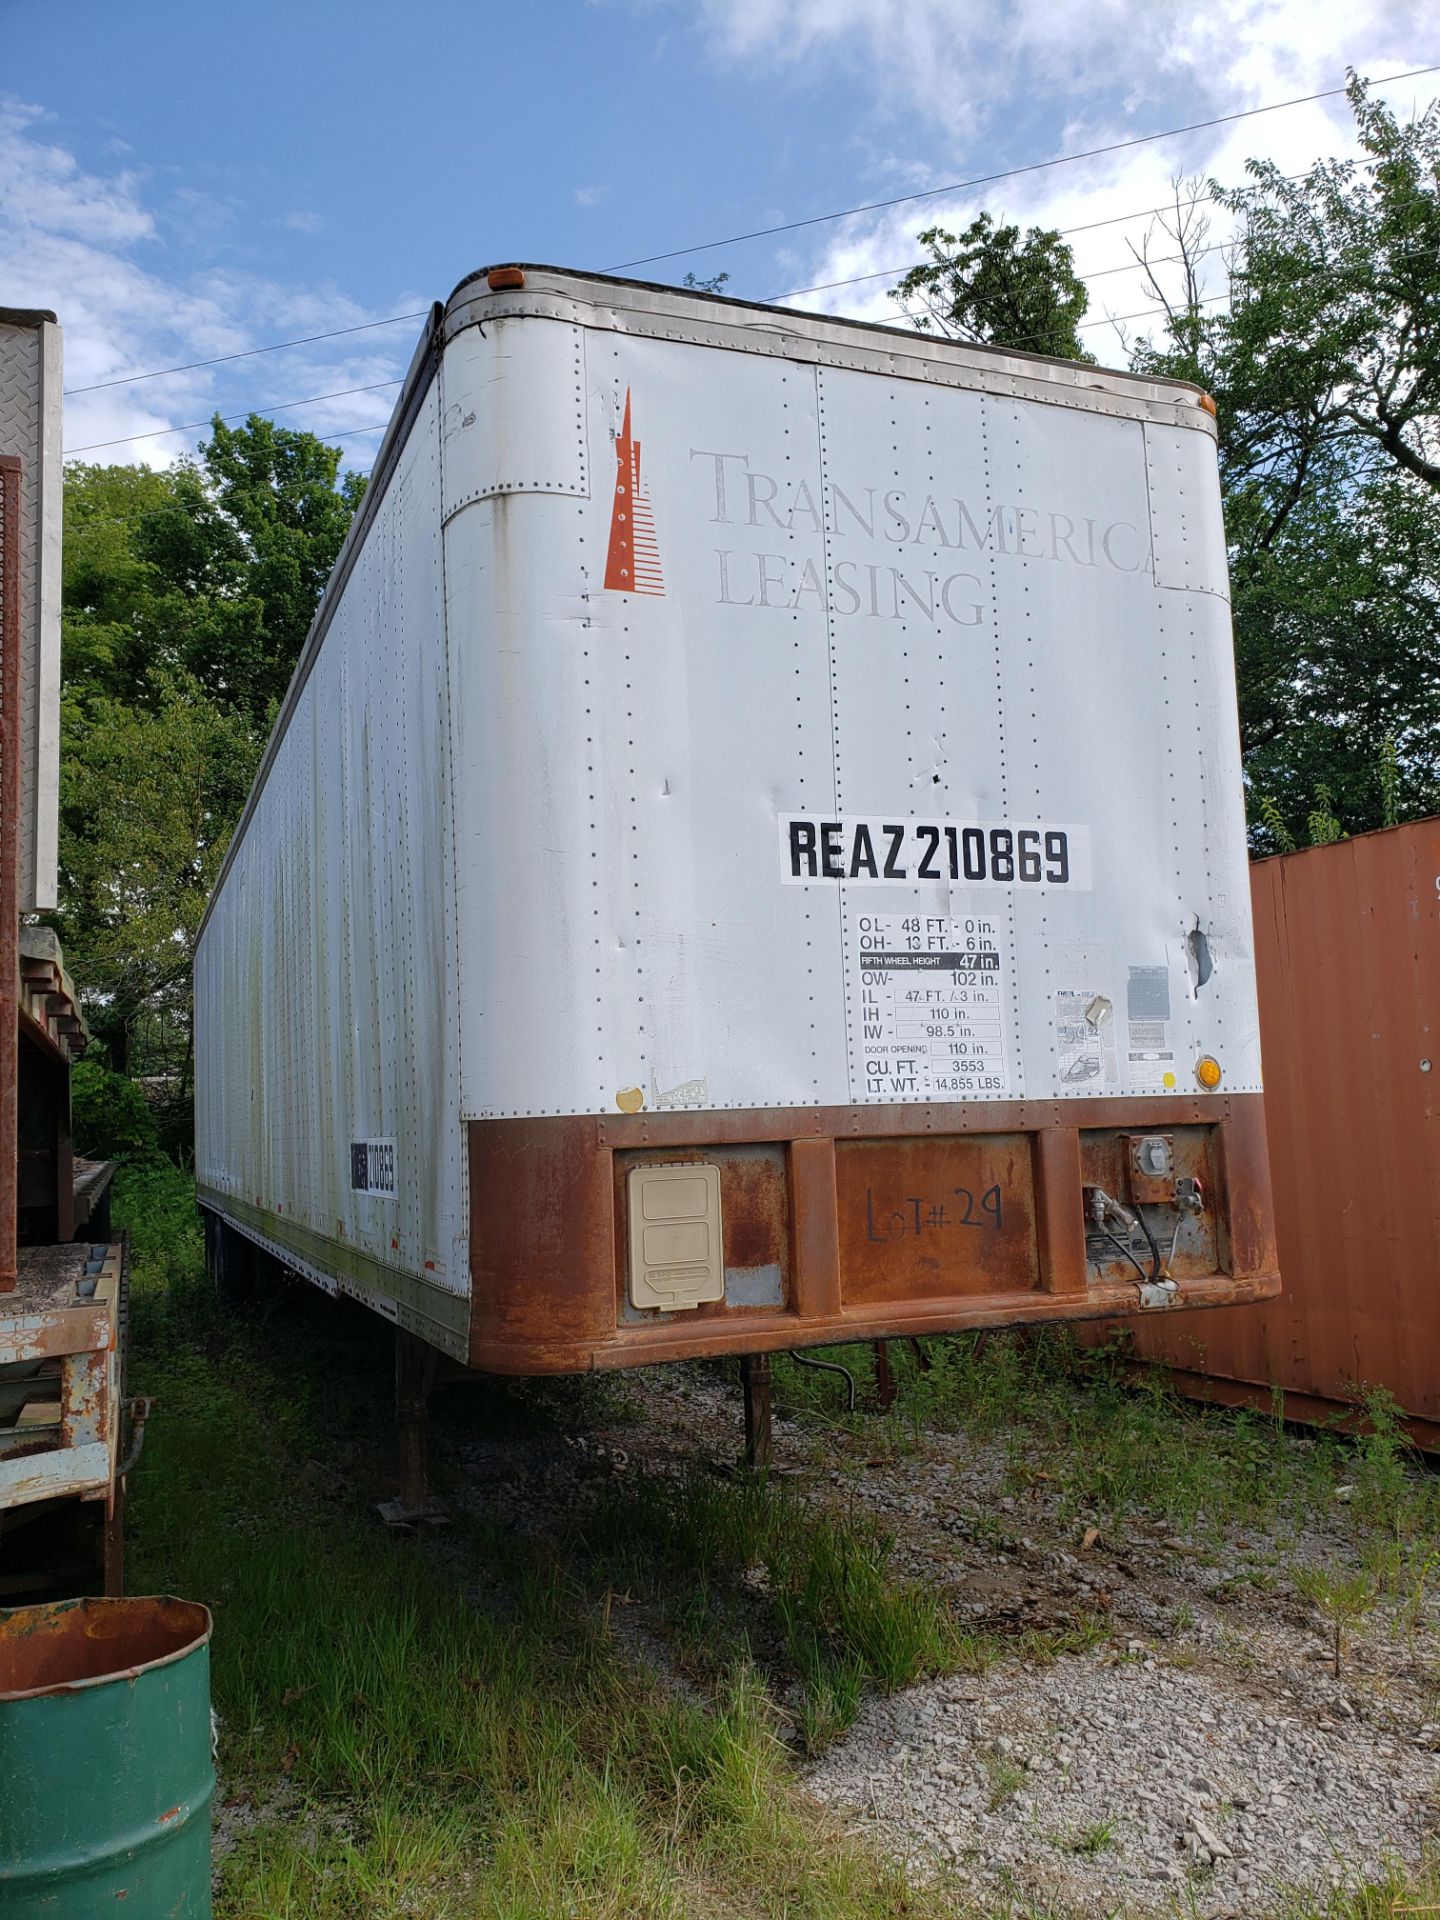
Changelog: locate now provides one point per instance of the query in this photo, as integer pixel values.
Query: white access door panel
(839, 746)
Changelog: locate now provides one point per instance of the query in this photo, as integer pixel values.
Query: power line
(197, 426)
(821, 219)
(818, 219)
(1100, 273)
(1008, 173)
(335, 333)
(248, 353)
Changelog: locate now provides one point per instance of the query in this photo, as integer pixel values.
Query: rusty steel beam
(9, 860)
(846, 1224)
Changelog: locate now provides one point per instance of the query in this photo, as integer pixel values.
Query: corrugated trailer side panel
(326, 1030)
(1348, 966)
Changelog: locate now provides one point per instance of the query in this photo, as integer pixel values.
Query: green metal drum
(106, 1775)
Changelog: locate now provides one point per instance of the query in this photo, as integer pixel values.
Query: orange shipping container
(1347, 955)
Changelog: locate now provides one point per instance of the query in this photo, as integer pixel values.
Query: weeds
(778, 1578)
(441, 1757)
(1006, 1779)
(1094, 1839)
(455, 1727)
(1342, 1599)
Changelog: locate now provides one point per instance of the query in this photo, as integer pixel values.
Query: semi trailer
(752, 855)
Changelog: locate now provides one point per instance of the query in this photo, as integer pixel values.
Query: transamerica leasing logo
(633, 563)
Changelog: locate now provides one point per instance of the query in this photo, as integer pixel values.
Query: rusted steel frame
(51, 1331)
(1311, 1409)
(778, 1331)
(58, 1472)
(1347, 961)
(697, 1127)
(41, 1037)
(9, 861)
(551, 1298)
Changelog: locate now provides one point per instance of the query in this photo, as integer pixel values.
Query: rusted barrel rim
(70, 1645)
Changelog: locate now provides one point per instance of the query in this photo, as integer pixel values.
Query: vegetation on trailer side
(455, 1728)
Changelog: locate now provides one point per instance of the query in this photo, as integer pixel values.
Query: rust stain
(989, 1199)
(72, 1643)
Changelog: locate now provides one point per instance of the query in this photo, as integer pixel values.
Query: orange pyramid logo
(633, 563)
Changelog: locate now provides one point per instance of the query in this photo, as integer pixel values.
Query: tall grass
(410, 1749)
(452, 1730)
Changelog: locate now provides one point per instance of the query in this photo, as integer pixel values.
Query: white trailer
(753, 853)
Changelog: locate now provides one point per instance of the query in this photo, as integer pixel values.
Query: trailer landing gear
(756, 1381)
(415, 1365)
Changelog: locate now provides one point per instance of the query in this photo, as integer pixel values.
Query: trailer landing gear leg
(415, 1362)
(884, 1378)
(755, 1378)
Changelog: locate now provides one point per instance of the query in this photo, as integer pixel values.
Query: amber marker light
(499, 278)
(1208, 403)
(1207, 1072)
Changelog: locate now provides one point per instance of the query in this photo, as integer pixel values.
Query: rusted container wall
(1347, 954)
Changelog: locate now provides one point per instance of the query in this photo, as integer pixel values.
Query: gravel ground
(1203, 1758)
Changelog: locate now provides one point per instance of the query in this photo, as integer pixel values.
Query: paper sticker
(1084, 1039)
(1151, 1055)
(928, 1007)
(678, 1087)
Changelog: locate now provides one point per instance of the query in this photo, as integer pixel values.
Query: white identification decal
(372, 1167)
(930, 1007)
(873, 851)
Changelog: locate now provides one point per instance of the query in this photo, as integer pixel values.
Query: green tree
(150, 794)
(213, 568)
(993, 285)
(187, 595)
(1326, 373)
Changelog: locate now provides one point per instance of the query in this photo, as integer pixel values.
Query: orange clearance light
(1207, 401)
(1207, 1072)
(498, 279)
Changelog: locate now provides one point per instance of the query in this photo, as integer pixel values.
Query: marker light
(498, 279)
(1207, 1072)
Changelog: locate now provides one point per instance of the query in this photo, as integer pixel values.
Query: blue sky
(182, 180)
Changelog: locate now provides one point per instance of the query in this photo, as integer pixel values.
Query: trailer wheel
(229, 1261)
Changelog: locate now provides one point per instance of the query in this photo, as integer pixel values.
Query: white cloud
(947, 83)
(304, 222)
(42, 186)
(589, 196)
(90, 247)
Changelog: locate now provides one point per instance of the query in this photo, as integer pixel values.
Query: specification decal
(1084, 1038)
(928, 1007)
(872, 851)
(1152, 1052)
